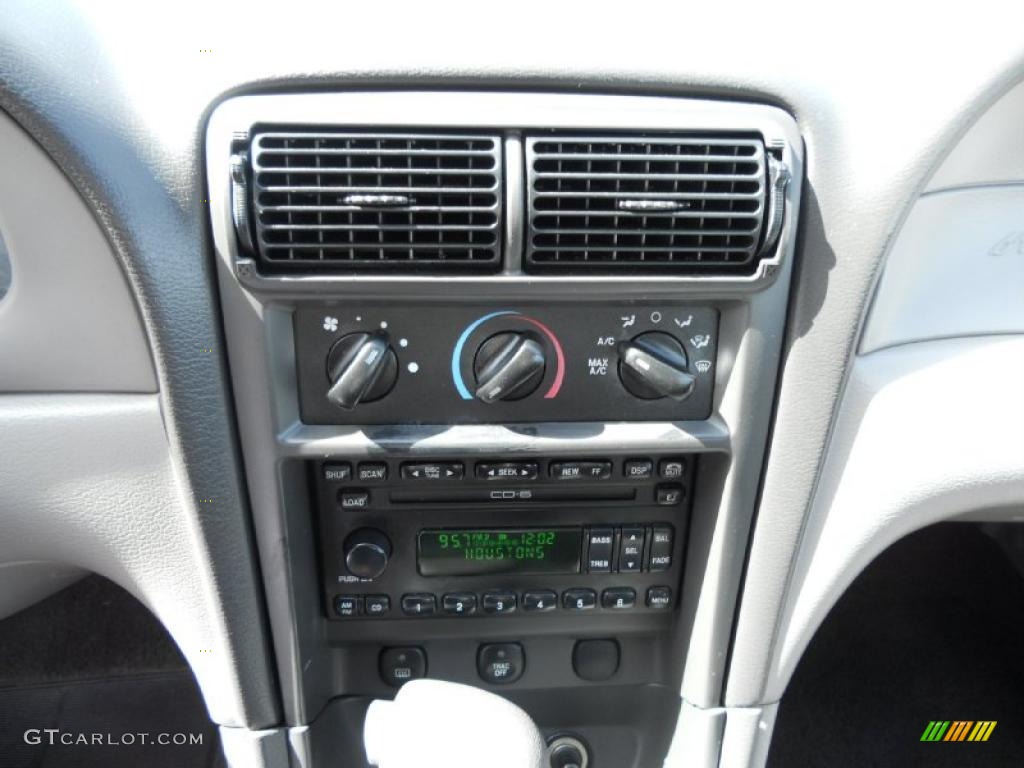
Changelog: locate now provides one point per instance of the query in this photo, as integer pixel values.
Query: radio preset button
(377, 605)
(631, 550)
(348, 606)
(661, 548)
(542, 600)
(580, 470)
(579, 599)
(671, 469)
(659, 598)
(435, 470)
(337, 472)
(669, 495)
(372, 472)
(354, 499)
(499, 602)
(459, 603)
(618, 598)
(506, 470)
(638, 469)
(418, 604)
(600, 548)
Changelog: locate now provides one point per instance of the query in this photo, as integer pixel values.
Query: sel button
(631, 550)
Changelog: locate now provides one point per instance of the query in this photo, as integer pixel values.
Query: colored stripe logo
(958, 730)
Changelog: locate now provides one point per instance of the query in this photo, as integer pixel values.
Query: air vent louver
(664, 204)
(329, 201)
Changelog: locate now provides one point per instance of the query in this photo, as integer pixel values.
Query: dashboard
(470, 363)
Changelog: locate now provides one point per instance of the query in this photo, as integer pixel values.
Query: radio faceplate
(470, 539)
(505, 363)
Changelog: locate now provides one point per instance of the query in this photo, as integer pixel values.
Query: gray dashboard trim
(69, 322)
(260, 345)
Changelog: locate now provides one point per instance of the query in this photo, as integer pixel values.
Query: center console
(504, 368)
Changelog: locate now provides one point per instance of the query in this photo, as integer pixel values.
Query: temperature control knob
(653, 365)
(362, 367)
(508, 366)
(366, 553)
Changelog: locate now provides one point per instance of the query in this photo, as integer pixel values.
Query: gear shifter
(408, 732)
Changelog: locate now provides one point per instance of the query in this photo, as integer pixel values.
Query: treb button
(600, 543)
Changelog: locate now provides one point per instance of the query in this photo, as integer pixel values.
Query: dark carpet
(93, 666)
(932, 630)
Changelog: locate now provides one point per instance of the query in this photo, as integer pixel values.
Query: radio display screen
(460, 552)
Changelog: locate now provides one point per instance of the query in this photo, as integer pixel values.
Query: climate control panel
(401, 364)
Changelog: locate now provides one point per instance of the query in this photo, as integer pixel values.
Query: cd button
(377, 605)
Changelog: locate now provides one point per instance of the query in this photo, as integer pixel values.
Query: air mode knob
(508, 366)
(362, 367)
(653, 365)
(366, 553)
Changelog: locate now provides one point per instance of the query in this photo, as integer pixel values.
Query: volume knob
(366, 553)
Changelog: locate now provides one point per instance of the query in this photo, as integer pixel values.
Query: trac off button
(500, 663)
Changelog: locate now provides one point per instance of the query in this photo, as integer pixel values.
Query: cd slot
(483, 495)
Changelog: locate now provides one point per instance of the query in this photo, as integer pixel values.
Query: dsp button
(661, 548)
(580, 470)
(638, 469)
(599, 551)
(435, 470)
(500, 663)
(631, 550)
(506, 470)
(400, 665)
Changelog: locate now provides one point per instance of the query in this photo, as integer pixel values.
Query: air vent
(654, 204)
(346, 201)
